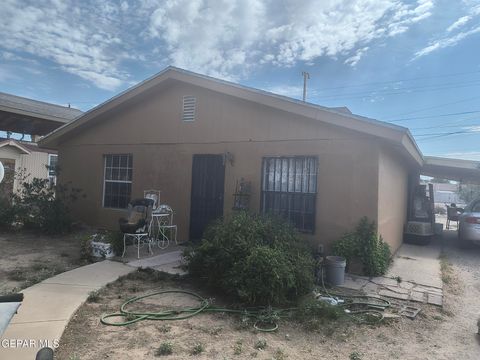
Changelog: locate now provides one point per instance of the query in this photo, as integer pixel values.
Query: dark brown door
(208, 178)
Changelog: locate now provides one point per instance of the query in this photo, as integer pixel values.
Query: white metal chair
(135, 226)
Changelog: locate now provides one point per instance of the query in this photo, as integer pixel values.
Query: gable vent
(189, 103)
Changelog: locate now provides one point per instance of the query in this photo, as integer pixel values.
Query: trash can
(335, 270)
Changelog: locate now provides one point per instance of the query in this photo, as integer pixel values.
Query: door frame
(218, 156)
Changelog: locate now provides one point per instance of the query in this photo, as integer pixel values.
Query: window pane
(124, 161)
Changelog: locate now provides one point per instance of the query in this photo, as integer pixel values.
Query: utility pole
(306, 76)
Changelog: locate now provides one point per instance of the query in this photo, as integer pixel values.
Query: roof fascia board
(16, 145)
(32, 114)
(387, 131)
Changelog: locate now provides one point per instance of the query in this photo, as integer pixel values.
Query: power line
(438, 106)
(404, 91)
(401, 80)
(434, 116)
(444, 126)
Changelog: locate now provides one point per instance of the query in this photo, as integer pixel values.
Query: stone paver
(417, 268)
(49, 305)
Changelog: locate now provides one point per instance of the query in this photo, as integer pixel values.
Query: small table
(159, 220)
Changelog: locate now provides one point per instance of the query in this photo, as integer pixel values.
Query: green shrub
(254, 258)
(197, 349)
(115, 238)
(365, 245)
(165, 348)
(44, 207)
(7, 213)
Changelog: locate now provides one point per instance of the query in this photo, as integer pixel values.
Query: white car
(469, 224)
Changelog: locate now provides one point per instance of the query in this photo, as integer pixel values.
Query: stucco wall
(392, 197)
(162, 145)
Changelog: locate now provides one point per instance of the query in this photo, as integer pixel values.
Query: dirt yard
(27, 258)
(436, 333)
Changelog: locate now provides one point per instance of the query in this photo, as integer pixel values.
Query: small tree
(44, 207)
(469, 192)
(256, 259)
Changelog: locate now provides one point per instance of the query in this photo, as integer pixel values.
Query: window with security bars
(289, 189)
(117, 180)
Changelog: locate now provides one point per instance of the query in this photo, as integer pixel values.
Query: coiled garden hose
(262, 316)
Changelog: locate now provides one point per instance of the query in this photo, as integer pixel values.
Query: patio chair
(452, 215)
(135, 225)
(162, 219)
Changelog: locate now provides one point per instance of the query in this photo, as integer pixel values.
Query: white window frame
(115, 181)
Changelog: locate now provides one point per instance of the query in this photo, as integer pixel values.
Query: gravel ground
(437, 333)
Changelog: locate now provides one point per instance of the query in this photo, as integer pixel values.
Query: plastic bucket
(335, 266)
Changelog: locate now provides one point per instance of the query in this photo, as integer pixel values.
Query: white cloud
(459, 23)
(446, 42)
(96, 39)
(353, 60)
(472, 129)
(73, 38)
(224, 38)
(450, 39)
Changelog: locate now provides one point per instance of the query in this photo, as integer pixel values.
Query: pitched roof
(338, 116)
(27, 116)
(35, 108)
(15, 144)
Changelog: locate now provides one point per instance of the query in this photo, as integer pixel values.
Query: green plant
(86, 249)
(93, 297)
(279, 355)
(365, 245)
(165, 348)
(355, 356)
(254, 258)
(43, 207)
(115, 238)
(260, 344)
(238, 347)
(7, 212)
(164, 328)
(197, 349)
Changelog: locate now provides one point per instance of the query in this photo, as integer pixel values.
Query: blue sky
(415, 63)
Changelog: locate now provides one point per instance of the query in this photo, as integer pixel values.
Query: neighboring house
(31, 119)
(446, 193)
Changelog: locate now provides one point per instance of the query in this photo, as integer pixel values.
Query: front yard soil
(436, 333)
(27, 258)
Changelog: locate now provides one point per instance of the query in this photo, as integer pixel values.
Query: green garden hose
(262, 316)
(266, 318)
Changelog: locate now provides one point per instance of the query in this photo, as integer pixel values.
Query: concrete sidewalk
(169, 262)
(49, 305)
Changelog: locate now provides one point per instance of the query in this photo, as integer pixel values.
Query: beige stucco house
(195, 138)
